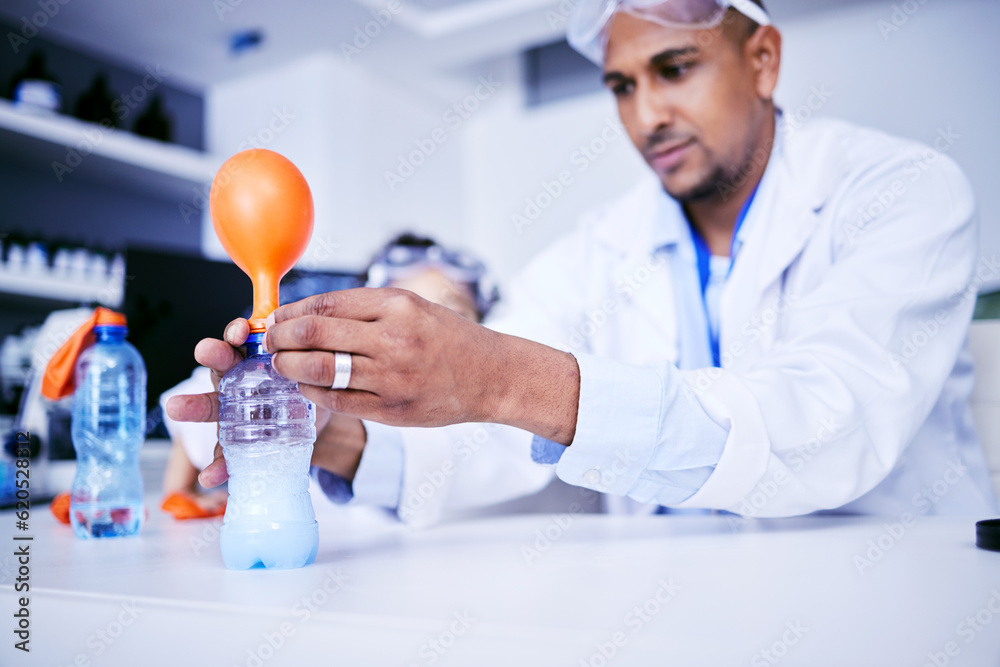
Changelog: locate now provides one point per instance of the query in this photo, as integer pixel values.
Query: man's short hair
(745, 26)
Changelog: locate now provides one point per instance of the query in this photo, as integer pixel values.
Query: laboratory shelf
(109, 292)
(112, 157)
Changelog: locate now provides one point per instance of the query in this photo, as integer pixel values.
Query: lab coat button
(592, 477)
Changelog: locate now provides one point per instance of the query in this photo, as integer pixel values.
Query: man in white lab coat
(773, 323)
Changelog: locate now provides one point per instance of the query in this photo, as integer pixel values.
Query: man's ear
(763, 51)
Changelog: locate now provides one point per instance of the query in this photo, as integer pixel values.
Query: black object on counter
(988, 534)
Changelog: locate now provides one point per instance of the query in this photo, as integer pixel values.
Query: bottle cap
(58, 381)
(109, 317)
(988, 534)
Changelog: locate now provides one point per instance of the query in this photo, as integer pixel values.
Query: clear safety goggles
(587, 31)
(402, 261)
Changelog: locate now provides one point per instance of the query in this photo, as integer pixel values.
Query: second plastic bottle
(109, 426)
(267, 429)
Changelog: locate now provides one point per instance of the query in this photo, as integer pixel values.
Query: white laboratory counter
(530, 590)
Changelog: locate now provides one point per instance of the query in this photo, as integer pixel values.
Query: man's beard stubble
(720, 182)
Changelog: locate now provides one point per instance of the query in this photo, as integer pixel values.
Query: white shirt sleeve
(380, 474)
(379, 478)
(638, 434)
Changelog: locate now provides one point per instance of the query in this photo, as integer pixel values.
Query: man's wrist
(535, 388)
(339, 447)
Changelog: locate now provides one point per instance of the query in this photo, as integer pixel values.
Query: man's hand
(415, 363)
(340, 439)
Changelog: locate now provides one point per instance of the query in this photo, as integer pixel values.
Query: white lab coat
(845, 374)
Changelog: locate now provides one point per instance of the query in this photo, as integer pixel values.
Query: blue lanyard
(704, 257)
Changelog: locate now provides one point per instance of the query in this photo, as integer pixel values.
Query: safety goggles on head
(402, 261)
(587, 31)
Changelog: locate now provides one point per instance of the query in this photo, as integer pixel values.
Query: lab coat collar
(633, 229)
(797, 184)
(650, 218)
(792, 194)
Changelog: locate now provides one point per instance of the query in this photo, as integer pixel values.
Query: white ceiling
(190, 38)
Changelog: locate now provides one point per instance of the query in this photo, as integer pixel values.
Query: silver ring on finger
(341, 370)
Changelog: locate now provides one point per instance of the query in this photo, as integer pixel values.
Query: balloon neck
(265, 300)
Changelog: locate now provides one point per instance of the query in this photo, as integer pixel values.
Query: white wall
(346, 128)
(515, 158)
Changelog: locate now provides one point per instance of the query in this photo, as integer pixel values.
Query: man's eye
(622, 89)
(672, 72)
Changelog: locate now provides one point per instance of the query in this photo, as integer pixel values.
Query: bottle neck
(255, 345)
(110, 333)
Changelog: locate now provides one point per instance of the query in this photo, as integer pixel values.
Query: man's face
(689, 101)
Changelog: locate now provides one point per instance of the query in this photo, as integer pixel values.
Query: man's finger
(350, 402)
(237, 332)
(194, 408)
(215, 473)
(314, 332)
(217, 355)
(363, 304)
(319, 368)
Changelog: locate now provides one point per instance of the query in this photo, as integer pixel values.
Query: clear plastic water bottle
(267, 429)
(108, 428)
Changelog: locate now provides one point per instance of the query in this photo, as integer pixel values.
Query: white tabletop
(498, 592)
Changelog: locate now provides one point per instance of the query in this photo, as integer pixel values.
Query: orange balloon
(262, 211)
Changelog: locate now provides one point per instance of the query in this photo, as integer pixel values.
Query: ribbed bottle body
(108, 429)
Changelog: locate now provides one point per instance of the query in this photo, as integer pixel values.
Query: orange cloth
(183, 506)
(60, 508)
(58, 381)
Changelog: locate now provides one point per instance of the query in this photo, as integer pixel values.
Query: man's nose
(652, 111)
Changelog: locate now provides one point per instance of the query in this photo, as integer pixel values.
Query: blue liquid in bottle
(108, 429)
(267, 429)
